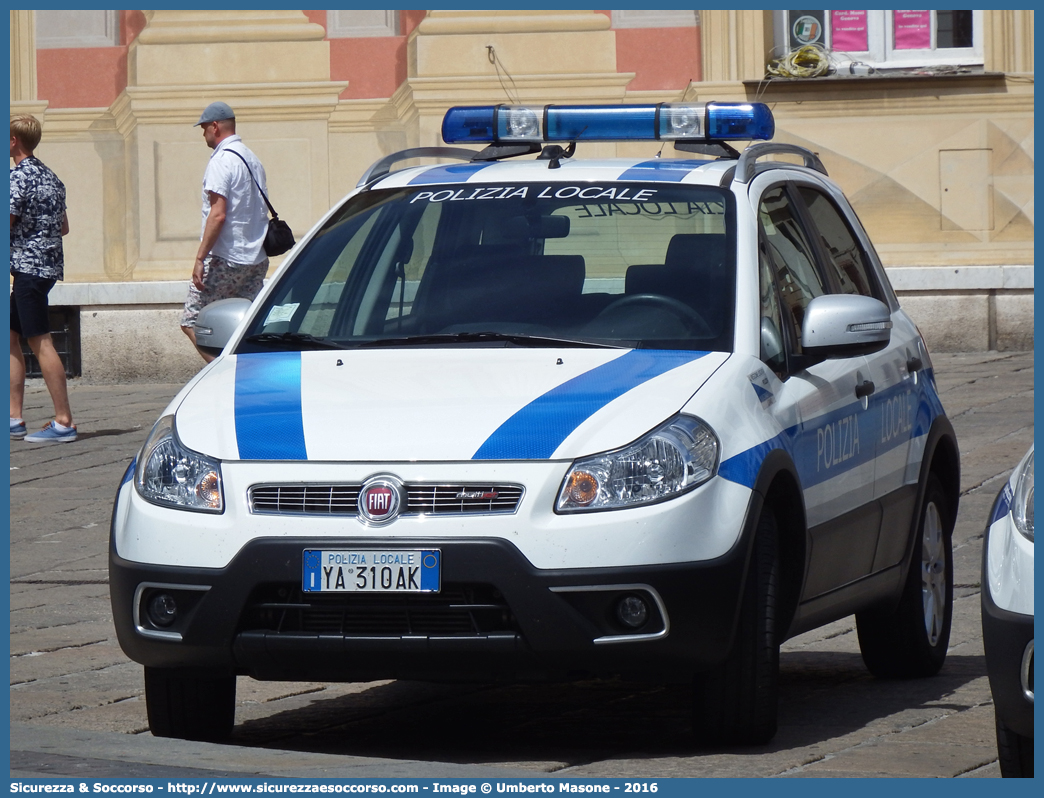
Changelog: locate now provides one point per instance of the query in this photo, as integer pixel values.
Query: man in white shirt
(231, 259)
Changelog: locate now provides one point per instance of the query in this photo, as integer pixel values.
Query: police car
(551, 418)
(1007, 618)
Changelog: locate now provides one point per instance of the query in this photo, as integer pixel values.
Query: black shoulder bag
(279, 238)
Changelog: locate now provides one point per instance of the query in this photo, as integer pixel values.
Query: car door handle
(865, 388)
(914, 364)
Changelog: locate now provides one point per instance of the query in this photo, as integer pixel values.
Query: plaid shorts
(223, 280)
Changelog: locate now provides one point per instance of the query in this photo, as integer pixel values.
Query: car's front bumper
(525, 595)
(1008, 640)
(525, 623)
(1007, 636)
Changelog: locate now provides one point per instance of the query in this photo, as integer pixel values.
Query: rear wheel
(189, 707)
(1015, 753)
(912, 640)
(737, 703)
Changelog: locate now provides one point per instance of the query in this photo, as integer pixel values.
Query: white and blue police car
(545, 418)
(1007, 618)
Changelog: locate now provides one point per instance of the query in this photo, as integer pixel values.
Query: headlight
(173, 476)
(1022, 503)
(670, 460)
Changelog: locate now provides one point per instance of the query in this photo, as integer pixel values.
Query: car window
(845, 257)
(411, 263)
(612, 237)
(621, 264)
(789, 256)
(318, 315)
(773, 343)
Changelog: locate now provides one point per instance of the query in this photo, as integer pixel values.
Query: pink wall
(131, 24)
(89, 77)
(375, 67)
(661, 58)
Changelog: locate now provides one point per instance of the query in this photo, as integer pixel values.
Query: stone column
(735, 44)
(489, 57)
(1008, 40)
(23, 63)
(227, 47)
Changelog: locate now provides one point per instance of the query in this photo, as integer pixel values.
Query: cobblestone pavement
(77, 706)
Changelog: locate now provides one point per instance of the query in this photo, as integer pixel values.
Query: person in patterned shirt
(38, 222)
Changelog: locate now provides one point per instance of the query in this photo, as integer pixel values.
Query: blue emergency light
(527, 124)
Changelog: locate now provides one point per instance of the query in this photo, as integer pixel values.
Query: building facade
(927, 123)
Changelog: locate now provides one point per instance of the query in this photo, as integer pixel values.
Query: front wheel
(737, 703)
(189, 707)
(911, 641)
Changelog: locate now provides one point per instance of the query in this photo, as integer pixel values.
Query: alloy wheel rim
(933, 573)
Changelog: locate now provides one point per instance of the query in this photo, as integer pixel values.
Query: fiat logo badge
(380, 500)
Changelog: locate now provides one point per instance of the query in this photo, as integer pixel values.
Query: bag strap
(265, 198)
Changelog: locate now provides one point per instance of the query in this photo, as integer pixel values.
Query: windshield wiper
(518, 339)
(294, 340)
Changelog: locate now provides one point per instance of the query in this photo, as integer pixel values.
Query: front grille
(422, 499)
(435, 499)
(305, 499)
(459, 610)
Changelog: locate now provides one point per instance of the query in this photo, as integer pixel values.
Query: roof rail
(748, 158)
(383, 166)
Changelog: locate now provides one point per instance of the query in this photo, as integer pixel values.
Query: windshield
(616, 264)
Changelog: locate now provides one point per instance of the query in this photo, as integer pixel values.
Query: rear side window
(845, 257)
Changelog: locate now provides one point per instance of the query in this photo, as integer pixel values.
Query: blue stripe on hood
(269, 424)
(670, 170)
(128, 475)
(450, 173)
(538, 429)
(1002, 504)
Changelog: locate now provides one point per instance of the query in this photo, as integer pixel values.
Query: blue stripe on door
(538, 429)
(829, 445)
(269, 424)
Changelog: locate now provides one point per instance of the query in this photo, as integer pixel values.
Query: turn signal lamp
(520, 124)
(581, 488)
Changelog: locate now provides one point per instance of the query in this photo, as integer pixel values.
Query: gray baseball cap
(215, 112)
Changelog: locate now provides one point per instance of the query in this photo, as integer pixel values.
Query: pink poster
(913, 30)
(848, 31)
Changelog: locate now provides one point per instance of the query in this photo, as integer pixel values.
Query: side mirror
(217, 321)
(845, 325)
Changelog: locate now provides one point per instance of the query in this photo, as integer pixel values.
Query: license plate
(349, 571)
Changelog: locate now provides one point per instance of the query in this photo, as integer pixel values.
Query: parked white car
(532, 419)
(1007, 618)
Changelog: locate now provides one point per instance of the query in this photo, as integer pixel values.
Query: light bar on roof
(529, 124)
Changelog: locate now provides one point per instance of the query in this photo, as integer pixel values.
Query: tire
(1014, 752)
(189, 707)
(737, 703)
(911, 642)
